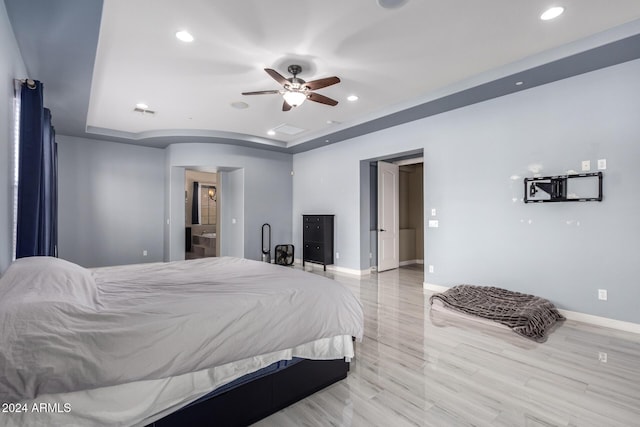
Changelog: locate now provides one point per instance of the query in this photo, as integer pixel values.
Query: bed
(134, 345)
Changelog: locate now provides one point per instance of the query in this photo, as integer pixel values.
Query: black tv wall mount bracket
(564, 188)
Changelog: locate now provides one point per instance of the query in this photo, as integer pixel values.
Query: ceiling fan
(297, 90)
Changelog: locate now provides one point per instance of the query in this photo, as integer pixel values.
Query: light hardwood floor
(418, 368)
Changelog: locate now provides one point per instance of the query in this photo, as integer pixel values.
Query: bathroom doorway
(202, 211)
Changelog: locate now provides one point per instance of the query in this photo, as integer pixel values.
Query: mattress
(142, 402)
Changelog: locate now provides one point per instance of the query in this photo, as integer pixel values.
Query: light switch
(586, 165)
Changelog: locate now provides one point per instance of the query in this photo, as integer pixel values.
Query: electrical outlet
(337, 255)
(602, 294)
(433, 212)
(370, 255)
(602, 164)
(431, 269)
(144, 252)
(586, 165)
(433, 223)
(602, 356)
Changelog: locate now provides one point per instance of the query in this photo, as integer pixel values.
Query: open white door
(388, 216)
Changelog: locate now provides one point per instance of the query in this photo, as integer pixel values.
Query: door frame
(368, 204)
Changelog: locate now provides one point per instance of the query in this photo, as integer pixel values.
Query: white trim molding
(334, 268)
(604, 322)
(411, 261)
(434, 288)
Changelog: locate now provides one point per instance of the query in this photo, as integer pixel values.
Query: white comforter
(65, 328)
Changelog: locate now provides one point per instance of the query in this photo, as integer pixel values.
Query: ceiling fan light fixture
(293, 98)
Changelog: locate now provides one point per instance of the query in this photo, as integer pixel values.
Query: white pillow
(37, 279)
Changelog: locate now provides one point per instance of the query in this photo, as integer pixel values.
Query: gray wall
(475, 160)
(110, 202)
(11, 67)
(232, 213)
(267, 183)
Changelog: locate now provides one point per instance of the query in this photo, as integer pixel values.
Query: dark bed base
(260, 398)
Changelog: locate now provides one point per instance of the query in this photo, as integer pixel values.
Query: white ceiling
(390, 58)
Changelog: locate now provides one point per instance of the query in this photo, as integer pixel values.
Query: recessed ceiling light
(352, 98)
(271, 132)
(184, 36)
(391, 4)
(142, 106)
(552, 13)
(519, 83)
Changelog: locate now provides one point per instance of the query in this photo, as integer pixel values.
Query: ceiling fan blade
(285, 106)
(321, 99)
(320, 83)
(277, 77)
(261, 92)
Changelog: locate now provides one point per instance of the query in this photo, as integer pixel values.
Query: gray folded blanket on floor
(527, 315)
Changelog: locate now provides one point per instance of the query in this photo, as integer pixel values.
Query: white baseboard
(605, 322)
(335, 268)
(411, 261)
(434, 288)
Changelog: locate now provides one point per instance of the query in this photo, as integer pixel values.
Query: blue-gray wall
(11, 67)
(111, 199)
(475, 159)
(267, 181)
(232, 212)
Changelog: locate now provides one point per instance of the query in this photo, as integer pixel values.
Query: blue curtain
(195, 218)
(37, 222)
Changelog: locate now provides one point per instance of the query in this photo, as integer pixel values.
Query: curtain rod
(31, 84)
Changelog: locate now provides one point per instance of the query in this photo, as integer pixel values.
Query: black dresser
(317, 239)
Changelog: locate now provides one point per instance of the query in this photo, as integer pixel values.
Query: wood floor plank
(416, 367)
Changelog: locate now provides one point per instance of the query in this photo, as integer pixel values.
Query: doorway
(398, 203)
(202, 210)
(411, 211)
